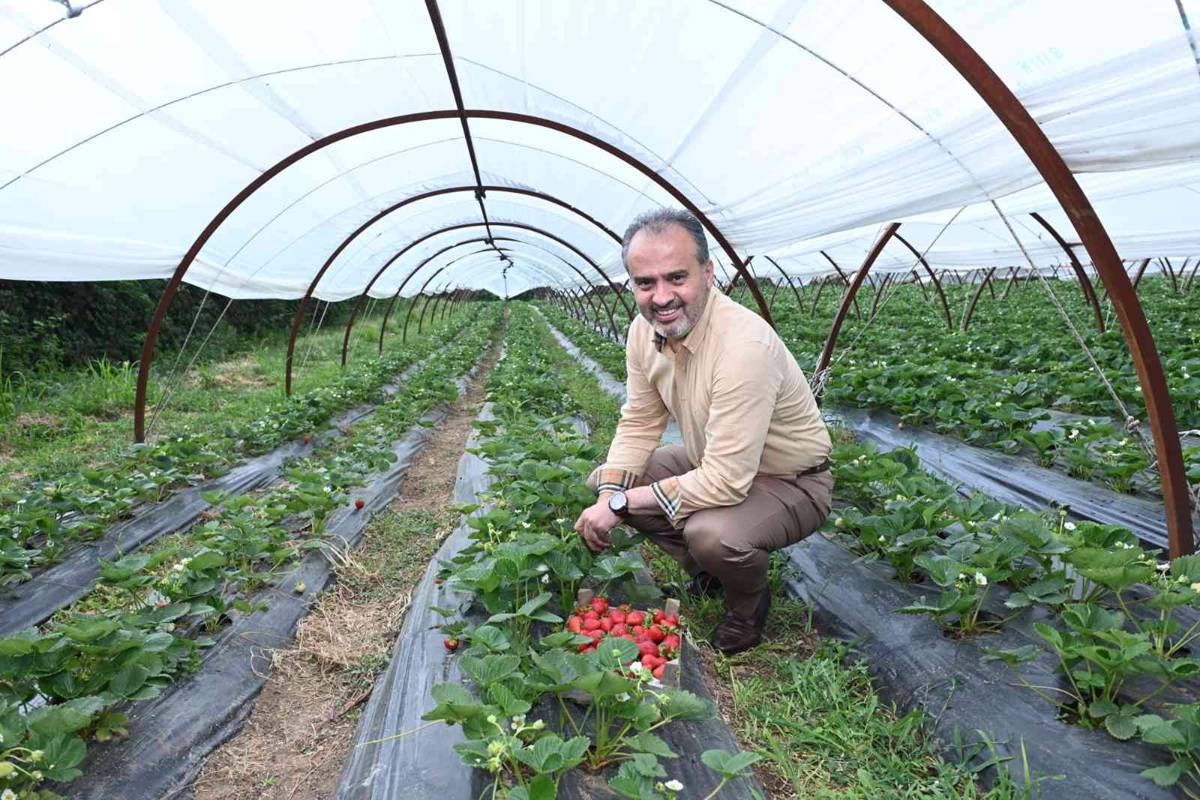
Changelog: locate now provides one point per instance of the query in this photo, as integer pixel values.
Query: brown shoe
(737, 633)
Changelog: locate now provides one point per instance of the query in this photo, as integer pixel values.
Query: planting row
(151, 614)
(522, 566)
(1119, 625)
(42, 523)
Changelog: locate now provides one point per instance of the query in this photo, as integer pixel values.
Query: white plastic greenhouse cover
(796, 126)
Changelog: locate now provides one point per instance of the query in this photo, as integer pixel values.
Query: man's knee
(711, 540)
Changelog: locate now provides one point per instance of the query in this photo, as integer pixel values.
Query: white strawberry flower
(980, 579)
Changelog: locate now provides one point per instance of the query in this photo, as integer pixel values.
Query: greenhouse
(524, 399)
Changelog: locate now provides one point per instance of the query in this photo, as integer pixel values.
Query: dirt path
(302, 726)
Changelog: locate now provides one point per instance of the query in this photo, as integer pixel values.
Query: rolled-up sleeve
(743, 398)
(644, 417)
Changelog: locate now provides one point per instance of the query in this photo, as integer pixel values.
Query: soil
(302, 726)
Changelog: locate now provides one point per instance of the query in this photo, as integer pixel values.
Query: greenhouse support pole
(788, 278)
(1141, 271)
(937, 285)
(462, 226)
(1095, 239)
(444, 294)
(970, 312)
(845, 281)
(848, 298)
(883, 285)
(1085, 284)
(1013, 274)
(434, 297)
(821, 284)
(916, 278)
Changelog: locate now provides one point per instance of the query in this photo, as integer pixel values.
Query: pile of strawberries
(654, 632)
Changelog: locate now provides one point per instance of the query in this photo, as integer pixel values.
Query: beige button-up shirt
(743, 406)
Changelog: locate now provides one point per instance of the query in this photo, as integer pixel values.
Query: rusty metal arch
(412, 306)
(1085, 285)
(379, 273)
(845, 283)
(392, 302)
(415, 270)
(1103, 255)
(358, 305)
(937, 285)
(821, 284)
(442, 291)
(535, 267)
(848, 298)
(258, 182)
(437, 193)
(1141, 271)
(970, 311)
(387, 314)
(788, 278)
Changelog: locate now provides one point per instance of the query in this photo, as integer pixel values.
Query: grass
(811, 712)
(82, 418)
(397, 551)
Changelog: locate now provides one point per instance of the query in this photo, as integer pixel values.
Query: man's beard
(682, 325)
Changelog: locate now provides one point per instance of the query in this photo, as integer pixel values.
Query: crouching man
(752, 474)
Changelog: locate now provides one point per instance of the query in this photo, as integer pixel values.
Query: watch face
(618, 503)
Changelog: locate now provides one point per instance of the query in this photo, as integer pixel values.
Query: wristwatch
(618, 503)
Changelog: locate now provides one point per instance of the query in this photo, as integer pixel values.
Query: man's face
(669, 285)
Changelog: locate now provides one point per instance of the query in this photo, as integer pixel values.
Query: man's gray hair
(659, 220)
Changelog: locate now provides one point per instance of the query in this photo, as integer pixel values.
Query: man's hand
(594, 524)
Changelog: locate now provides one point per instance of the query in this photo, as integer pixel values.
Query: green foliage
(143, 626)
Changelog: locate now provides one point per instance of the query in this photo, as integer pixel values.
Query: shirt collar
(695, 337)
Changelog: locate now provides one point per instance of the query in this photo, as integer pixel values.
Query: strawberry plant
(524, 566)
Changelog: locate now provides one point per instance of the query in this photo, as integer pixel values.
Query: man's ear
(709, 271)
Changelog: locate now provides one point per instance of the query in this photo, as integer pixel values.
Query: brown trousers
(732, 543)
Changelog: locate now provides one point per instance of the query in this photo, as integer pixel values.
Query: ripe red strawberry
(670, 643)
(599, 604)
(637, 630)
(575, 624)
(655, 634)
(451, 643)
(635, 618)
(606, 624)
(671, 621)
(587, 648)
(648, 648)
(596, 634)
(359, 503)
(616, 615)
(650, 660)
(619, 629)
(658, 671)
(659, 615)
(591, 614)
(591, 624)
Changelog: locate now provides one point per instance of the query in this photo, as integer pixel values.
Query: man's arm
(743, 398)
(643, 419)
